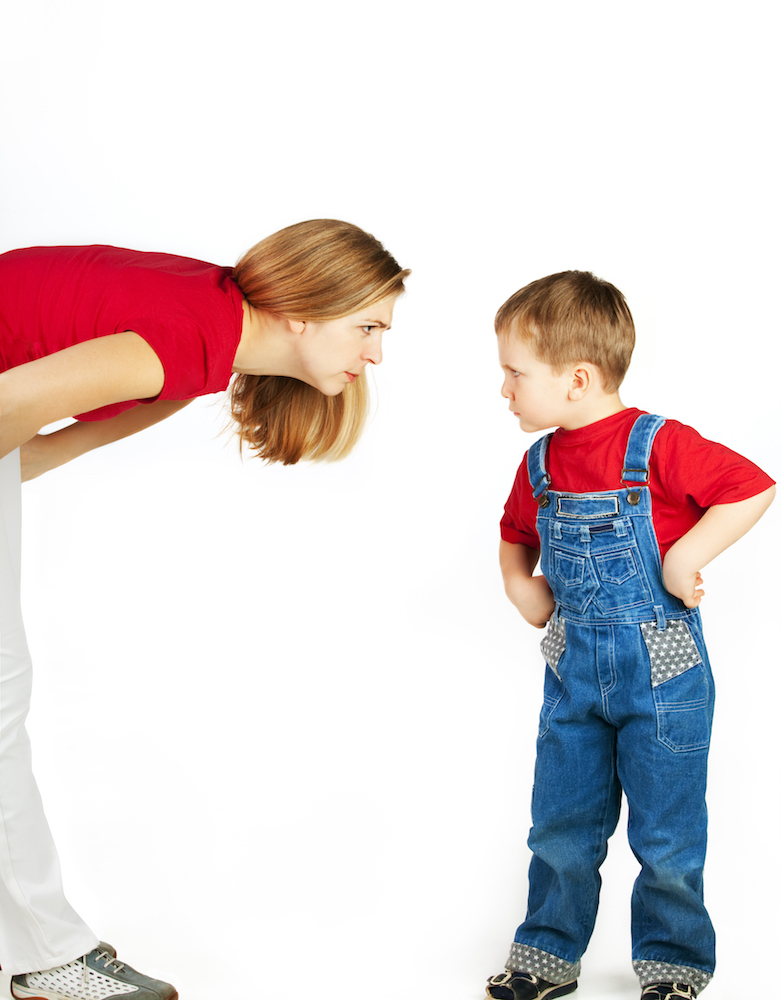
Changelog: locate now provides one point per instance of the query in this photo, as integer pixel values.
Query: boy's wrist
(532, 598)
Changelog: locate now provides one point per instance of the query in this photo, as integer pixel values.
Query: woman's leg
(38, 927)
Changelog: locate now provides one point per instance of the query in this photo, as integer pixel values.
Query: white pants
(38, 927)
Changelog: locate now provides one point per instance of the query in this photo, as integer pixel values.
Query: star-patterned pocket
(671, 650)
(553, 644)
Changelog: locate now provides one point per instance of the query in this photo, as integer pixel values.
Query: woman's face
(332, 354)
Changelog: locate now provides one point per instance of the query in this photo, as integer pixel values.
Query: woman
(96, 331)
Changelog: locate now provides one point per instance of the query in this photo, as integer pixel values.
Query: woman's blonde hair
(317, 271)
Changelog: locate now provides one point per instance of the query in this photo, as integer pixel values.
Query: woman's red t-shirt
(188, 311)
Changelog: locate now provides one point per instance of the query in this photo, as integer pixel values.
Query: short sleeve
(694, 470)
(518, 524)
(194, 333)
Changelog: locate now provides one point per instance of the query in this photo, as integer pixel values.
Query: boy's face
(537, 396)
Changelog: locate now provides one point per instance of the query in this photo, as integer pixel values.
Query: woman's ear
(296, 325)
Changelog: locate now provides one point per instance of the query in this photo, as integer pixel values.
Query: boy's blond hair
(569, 317)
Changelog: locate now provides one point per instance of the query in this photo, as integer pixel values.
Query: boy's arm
(48, 451)
(719, 527)
(530, 594)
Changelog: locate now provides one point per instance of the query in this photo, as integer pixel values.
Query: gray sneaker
(97, 976)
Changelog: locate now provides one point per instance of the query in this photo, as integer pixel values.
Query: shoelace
(108, 962)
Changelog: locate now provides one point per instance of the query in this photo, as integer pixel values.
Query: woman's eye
(368, 329)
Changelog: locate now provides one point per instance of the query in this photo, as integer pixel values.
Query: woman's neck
(266, 344)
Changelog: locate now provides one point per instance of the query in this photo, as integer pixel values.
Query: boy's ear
(582, 380)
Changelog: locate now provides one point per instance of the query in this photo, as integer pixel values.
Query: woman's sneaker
(97, 976)
(668, 991)
(525, 986)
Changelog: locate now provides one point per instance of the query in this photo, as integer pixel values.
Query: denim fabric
(628, 705)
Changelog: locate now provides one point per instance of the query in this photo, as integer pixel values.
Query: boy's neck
(590, 409)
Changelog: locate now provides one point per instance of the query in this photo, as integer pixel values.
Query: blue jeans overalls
(628, 706)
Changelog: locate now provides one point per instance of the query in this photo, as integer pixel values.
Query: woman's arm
(80, 378)
(45, 452)
(717, 529)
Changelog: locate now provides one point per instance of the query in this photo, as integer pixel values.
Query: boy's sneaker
(97, 976)
(668, 991)
(525, 986)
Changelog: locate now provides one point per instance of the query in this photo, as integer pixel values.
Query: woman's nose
(373, 350)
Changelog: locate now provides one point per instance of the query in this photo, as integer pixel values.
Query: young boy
(624, 509)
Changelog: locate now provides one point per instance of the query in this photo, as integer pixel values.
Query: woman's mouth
(351, 377)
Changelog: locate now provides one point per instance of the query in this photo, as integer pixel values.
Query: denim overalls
(628, 705)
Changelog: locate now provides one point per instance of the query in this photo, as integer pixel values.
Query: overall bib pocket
(613, 577)
(681, 686)
(622, 580)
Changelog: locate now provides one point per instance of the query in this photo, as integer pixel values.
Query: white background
(285, 718)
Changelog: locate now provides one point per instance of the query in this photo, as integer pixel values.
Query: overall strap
(638, 448)
(535, 463)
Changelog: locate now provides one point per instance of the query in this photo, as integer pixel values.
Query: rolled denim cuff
(524, 958)
(663, 972)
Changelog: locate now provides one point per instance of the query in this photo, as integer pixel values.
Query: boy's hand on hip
(530, 594)
(717, 529)
(683, 583)
(534, 600)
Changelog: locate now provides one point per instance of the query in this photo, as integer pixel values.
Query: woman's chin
(333, 386)
(328, 386)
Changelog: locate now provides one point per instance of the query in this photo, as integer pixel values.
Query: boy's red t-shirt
(688, 474)
(188, 311)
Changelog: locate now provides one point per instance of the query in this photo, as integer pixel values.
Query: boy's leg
(38, 928)
(575, 808)
(662, 762)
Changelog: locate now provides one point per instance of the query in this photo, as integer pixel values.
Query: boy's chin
(535, 428)
(529, 426)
